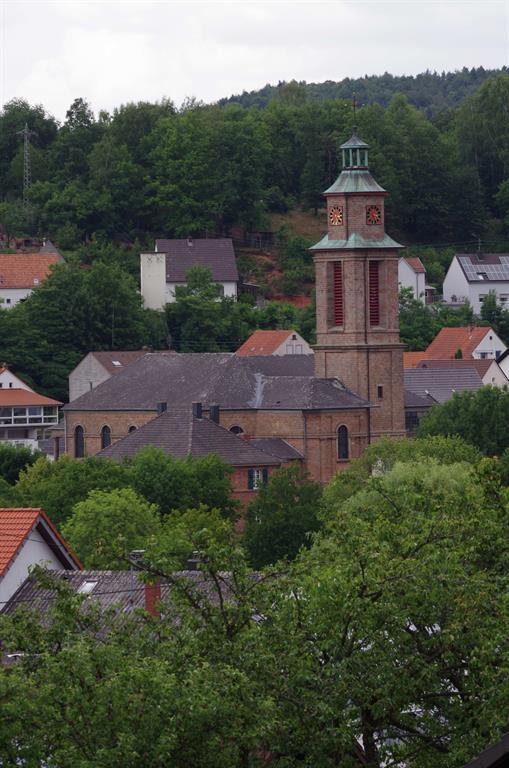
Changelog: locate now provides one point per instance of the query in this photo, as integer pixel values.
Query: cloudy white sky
(114, 51)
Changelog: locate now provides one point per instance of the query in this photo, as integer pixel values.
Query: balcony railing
(20, 443)
(30, 416)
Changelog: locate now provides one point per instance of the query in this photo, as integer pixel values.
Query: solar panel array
(480, 271)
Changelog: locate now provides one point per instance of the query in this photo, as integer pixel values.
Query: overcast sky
(113, 51)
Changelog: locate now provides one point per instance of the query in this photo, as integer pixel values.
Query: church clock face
(336, 215)
(373, 214)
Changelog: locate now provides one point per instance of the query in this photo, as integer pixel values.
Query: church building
(328, 406)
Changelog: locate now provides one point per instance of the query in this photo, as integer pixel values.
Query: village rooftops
(440, 384)
(16, 527)
(179, 433)
(270, 382)
(25, 270)
(416, 264)
(24, 397)
(215, 254)
(268, 343)
(115, 362)
(484, 267)
(448, 341)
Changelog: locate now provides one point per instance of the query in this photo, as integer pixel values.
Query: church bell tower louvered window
(374, 293)
(338, 293)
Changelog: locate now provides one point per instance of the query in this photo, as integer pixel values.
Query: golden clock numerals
(336, 215)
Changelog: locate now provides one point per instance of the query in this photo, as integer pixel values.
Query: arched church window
(343, 450)
(105, 437)
(79, 442)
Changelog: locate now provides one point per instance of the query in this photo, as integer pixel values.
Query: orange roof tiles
(263, 343)
(23, 397)
(412, 359)
(25, 270)
(15, 527)
(448, 340)
(416, 264)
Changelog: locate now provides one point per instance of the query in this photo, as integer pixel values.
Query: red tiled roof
(412, 359)
(416, 264)
(263, 343)
(15, 526)
(23, 397)
(25, 270)
(448, 340)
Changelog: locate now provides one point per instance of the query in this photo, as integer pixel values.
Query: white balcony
(20, 443)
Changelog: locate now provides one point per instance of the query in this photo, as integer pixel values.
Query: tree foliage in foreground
(480, 418)
(384, 643)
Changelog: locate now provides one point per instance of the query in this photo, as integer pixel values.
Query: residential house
(425, 387)
(23, 412)
(28, 538)
(472, 276)
(275, 343)
(186, 432)
(503, 362)
(20, 273)
(166, 269)
(477, 342)
(488, 369)
(97, 367)
(412, 274)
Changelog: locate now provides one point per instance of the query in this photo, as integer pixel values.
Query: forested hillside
(431, 91)
(152, 169)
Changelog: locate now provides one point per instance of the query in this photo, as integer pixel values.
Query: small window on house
(10, 385)
(257, 478)
(87, 587)
(105, 437)
(236, 430)
(380, 392)
(298, 349)
(116, 363)
(7, 301)
(289, 349)
(411, 420)
(132, 428)
(483, 355)
(79, 442)
(343, 449)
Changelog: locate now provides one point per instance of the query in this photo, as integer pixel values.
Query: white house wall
(33, 551)
(291, 346)
(229, 290)
(455, 284)
(490, 347)
(153, 279)
(86, 376)
(9, 297)
(495, 376)
(480, 290)
(407, 278)
(9, 381)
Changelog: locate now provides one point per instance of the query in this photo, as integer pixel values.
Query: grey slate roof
(494, 267)
(180, 434)
(354, 241)
(272, 382)
(416, 401)
(216, 254)
(351, 180)
(48, 247)
(441, 383)
(277, 447)
(122, 589)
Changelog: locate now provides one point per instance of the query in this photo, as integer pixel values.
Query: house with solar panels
(472, 276)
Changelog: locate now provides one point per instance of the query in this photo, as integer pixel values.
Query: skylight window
(87, 587)
(117, 363)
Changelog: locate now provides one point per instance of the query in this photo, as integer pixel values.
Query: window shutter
(265, 475)
(250, 479)
(374, 293)
(338, 292)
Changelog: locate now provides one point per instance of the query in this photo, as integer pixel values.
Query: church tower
(356, 267)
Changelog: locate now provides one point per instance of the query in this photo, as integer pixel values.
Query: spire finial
(354, 108)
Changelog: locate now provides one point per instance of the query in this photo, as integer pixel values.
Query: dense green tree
(281, 519)
(13, 460)
(179, 484)
(417, 324)
(496, 316)
(58, 486)
(478, 417)
(104, 528)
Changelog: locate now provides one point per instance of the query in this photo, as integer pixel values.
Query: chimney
(197, 410)
(152, 597)
(192, 562)
(161, 408)
(214, 414)
(190, 241)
